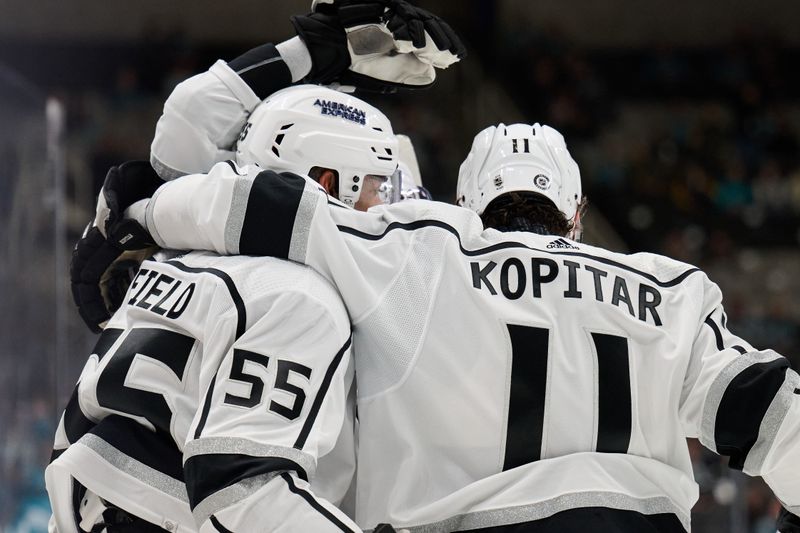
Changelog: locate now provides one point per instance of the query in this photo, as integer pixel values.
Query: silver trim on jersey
(235, 222)
(720, 385)
(770, 424)
(259, 64)
(540, 510)
(302, 222)
(148, 218)
(230, 496)
(214, 445)
(134, 468)
(164, 171)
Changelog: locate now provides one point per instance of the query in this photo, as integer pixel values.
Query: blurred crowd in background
(691, 153)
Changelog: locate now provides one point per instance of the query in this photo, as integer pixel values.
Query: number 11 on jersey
(529, 355)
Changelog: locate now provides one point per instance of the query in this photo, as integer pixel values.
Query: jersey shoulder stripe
(241, 320)
(420, 224)
(743, 406)
(273, 202)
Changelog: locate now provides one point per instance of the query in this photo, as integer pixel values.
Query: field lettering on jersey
(160, 293)
(515, 275)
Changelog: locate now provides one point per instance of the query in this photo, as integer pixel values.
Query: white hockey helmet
(520, 157)
(307, 126)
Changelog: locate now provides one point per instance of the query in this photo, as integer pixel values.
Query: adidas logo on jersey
(561, 243)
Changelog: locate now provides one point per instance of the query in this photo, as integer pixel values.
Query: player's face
(375, 191)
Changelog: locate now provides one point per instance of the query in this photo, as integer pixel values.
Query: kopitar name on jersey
(347, 112)
(516, 277)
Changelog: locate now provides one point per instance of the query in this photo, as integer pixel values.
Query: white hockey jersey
(216, 399)
(532, 374)
(201, 122)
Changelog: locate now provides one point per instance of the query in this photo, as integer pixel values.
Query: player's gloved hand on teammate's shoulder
(111, 249)
(787, 522)
(378, 45)
(127, 186)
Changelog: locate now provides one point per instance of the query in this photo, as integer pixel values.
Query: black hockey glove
(787, 522)
(100, 274)
(104, 262)
(125, 185)
(326, 41)
(91, 257)
(376, 45)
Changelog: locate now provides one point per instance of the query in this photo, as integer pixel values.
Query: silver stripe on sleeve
(235, 222)
(134, 468)
(720, 385)
(150, 222)
(302, 222)
(540, 510)
(259, 64)
(230, 496)
(165, 172)
(770, 424)
(212, 445)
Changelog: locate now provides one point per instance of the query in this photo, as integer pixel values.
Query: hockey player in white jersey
(249, 392)
(540, 384)
(207, 396)
(259, 72)
(337, 43)
(376, 45)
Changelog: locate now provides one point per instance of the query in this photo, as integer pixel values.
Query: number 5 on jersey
(285, 369)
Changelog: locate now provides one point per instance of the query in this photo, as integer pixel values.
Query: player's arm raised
(743, 403)
(378, 45)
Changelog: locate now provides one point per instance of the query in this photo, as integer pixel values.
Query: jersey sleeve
(743, 403)
(273, 407)
(203, 116)
(74, 423)
(76, 420)
(251, 211)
